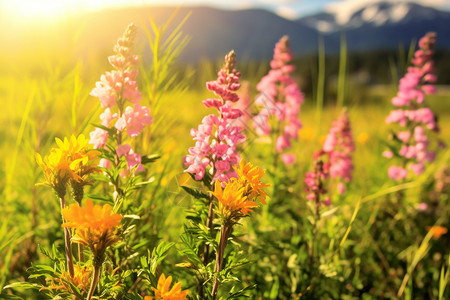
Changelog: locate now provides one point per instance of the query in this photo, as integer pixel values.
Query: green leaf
(196, 193)
(147, 159)
(23, 285)
(13, 297)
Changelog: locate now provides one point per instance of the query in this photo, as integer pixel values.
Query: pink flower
(413, 114)
(134, 120)
(314, 181)
(422, 206)
(107, 117)
(282, 143)
(397, 173)
(132, 159)
(280, 97)
(288, 158)
(338, 147)
(416, 168)
(104, 163)
(114, 90)
(217, 137)
(388, 154)
(404, 136)
(99, 138)
(341, 188)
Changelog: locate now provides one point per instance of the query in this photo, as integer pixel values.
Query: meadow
(379, 239)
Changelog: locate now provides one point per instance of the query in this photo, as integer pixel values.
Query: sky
(290, 9)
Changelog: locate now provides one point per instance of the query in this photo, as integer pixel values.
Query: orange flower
(232, 202)
(94, 225)
(437, 231)
(80, 280)
(250, 177)
(163, 291)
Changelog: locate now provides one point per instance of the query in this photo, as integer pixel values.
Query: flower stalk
(94, 282)
(225, 232)
(67, 243)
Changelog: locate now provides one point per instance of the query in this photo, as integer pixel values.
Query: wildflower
(236, 200)
(164, 292)
(337, 148)
(56, 170)
(437, 231)
(80, 280)
(71, 161)
(132, 158)
(307, 134)
(314, 181)
(232, 202)
(134, 119)
(95, 225)
(120, 84)
(82, 160)
(217, 137)
(422, 206)
(114, 90)
(397, 173)
(280, 97)
(249, 177)
(244, 103)
(363, 137)
(412, 114)
(288, 158)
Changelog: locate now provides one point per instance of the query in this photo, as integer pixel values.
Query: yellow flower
(163, 291)
(82, 160)
(94, 224)
(363, 138)
(80, 280)
(70, 161)
(232, 202)
(307, 134)
(250, 176)
(56, 170)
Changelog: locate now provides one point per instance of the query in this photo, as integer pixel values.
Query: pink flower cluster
(338, 147)
(216, 138)
(413, 115)
(114, 90)
(314, 181)
(280, 97)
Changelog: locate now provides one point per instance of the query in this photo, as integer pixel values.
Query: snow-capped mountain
(374, 13)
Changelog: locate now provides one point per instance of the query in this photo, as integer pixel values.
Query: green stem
(67, 243)
(95, 278)
(225, 231)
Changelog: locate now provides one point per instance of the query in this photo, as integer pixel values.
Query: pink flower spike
(218, 136)
(413, 114)
(280, 98)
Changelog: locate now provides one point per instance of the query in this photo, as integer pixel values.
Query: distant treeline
(368, 68)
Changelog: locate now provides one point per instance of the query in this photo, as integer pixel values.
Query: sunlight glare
(41, 9)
